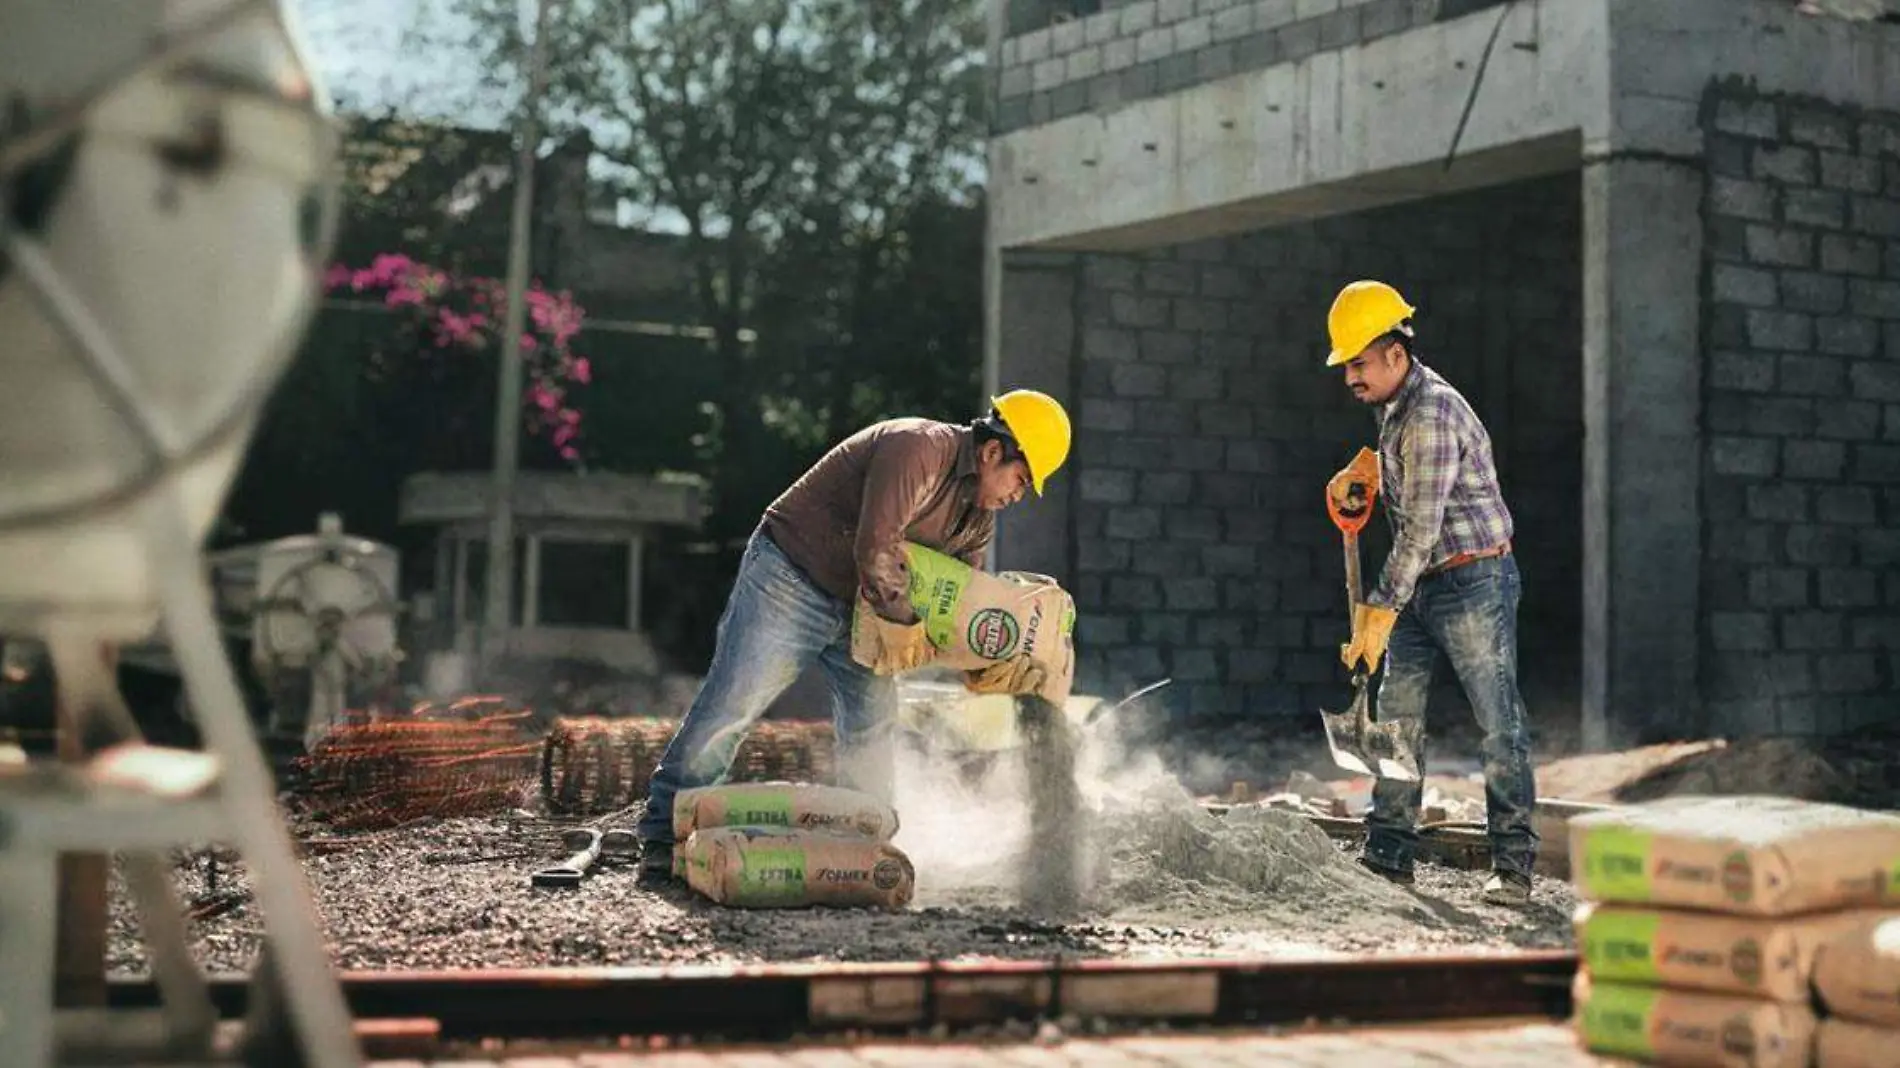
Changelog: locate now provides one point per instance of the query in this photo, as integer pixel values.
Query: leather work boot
(1507, 888)
(1391, 875)
(656, 862)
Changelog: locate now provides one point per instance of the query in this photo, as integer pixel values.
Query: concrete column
(461, 583)
(1642, 247)
(439, 627)
(531, 581)
(636, 554)
(1036, 333)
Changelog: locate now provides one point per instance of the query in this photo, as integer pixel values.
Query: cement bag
(763, 868)
(1691, 1030)
(1746, 856)
(796, 806)
(1857, 973)
(1763, 958)
(975, 619)
(1846, 1044)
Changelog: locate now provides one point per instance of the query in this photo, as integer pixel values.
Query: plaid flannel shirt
(1439, 481)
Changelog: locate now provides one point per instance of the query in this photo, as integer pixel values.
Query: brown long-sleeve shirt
(844, 521)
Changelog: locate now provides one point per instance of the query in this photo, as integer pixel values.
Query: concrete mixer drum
(323, 627)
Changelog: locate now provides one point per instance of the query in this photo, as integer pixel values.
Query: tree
(794, 141)
(402, 383)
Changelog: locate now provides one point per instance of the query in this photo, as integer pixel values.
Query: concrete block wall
(1135, 49)
(1208, 425)
(1801, 508)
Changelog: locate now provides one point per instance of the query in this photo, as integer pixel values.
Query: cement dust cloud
(1145, 850)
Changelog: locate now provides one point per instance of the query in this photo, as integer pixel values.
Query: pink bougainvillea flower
(455, 311)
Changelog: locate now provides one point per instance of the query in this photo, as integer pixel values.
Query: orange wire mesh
(592, 765)
(461, 759)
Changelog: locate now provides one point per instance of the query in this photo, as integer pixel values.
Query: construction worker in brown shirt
(837, 535)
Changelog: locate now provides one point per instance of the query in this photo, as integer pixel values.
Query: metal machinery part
(168, 198)
(323, 626)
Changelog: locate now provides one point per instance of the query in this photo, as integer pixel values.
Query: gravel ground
(1167, 880)
(385, 906)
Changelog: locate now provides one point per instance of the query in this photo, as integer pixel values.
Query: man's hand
(1019, 674)
(900, 646)
(1371, 630)
(1352, 489)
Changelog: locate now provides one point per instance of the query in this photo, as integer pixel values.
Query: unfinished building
(1656, 244)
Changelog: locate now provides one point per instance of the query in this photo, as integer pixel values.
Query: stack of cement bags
(790, 845)
(1857, 979)
(1703, 919)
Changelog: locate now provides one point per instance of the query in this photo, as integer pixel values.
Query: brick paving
(1540, 1044)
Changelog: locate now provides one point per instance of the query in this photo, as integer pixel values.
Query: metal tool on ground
(1358, 743)
(588, 847)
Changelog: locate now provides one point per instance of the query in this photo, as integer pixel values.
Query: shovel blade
(1390, 748)
(1342, 729)
(1343, 738)
(1383, 750)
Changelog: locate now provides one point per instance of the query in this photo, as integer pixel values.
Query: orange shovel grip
(1363, 471)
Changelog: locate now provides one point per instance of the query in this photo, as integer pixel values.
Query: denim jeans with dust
(1467, 615)
(776, 623)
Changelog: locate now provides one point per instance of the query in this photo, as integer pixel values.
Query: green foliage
(821, 157)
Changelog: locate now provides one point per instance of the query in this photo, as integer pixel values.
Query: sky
(357, 47)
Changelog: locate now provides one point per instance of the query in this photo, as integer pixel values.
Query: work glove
(1371, 630)
(1019, 674)
(900, 646)
(1349, 491)
(1352, 489)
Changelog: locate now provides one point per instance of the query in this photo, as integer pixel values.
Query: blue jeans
(775, 624)
(1470, 615)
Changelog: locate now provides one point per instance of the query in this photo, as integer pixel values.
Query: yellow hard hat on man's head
(1041, 430)
(1361, 313)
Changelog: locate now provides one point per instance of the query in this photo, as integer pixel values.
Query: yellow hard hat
(1041, 430)
(1363, 311)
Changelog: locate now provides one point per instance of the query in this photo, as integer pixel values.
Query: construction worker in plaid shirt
(1450, 585)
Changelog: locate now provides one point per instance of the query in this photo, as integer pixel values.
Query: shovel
(587, 845)
(1357, 743)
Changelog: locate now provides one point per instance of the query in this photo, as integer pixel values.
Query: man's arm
(1429, 453)
(900, 474)
(979, 549)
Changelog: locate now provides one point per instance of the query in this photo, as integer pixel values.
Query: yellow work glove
(1019, 674)
(1349, 491)
(1371, 630)
(900, 646)
(1352, 489)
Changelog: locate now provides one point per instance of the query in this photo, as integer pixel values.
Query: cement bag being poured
(975, 619)
(761, 868)
(789, 805)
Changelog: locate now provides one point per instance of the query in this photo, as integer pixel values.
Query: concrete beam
(1370, 124)
(1642, 448)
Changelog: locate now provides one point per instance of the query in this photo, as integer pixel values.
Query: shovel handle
(571, 871)
(1363, 475)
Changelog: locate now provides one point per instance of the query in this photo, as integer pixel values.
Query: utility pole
(498, 591)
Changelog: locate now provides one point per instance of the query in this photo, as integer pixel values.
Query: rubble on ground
(454, 894)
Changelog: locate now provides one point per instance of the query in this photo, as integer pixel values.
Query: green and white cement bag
(789, 805)
(975, 619)
(1744, 855)
(763, 868)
